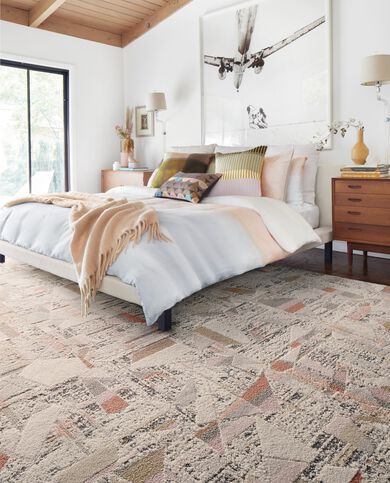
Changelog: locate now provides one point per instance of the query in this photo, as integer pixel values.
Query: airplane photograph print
(277, 58)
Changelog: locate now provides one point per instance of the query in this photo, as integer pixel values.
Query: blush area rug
(279, 375)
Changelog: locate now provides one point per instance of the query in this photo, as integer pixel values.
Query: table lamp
(376, 72)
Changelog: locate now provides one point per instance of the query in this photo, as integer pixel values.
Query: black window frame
(50, 70)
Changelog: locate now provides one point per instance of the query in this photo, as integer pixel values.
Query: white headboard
(324, 191)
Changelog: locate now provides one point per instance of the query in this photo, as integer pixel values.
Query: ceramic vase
(360, 150)
(124, 159)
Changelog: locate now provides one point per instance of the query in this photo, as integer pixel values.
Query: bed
(142, 292)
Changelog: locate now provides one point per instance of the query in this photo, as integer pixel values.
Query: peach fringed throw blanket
(103, 227)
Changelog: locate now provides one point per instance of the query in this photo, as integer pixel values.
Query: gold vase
(360, 150)
(127, 145)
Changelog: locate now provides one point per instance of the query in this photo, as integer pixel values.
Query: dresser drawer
(379, 235)
(362, 214)
(362, 199)
(357, 186)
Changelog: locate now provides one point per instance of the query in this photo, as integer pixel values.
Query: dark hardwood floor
(377, 270)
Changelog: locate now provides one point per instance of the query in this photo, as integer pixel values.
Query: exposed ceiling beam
(151, 21)
(13, 14)
(42, 10)
(66, 27)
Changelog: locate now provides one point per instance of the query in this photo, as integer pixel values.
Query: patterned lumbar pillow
(241, 172)
(188, 186)
(184, 162)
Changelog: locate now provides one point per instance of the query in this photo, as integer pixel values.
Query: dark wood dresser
(361, 214)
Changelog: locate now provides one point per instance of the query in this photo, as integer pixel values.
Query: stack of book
(354, 171)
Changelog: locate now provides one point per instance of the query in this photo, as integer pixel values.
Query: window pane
(13, 132)
(47, 132)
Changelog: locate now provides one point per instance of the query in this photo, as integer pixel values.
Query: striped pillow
(241, 173)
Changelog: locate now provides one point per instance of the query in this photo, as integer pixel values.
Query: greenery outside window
(34, 129)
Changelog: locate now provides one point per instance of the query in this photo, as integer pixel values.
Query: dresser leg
(350, 256)
(365, 261)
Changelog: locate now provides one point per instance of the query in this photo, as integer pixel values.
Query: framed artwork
(144, 122)
(266, 72)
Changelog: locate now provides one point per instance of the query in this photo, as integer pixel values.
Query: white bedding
(311, 213)
(208, 243)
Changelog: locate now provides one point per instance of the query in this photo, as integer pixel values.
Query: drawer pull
(354, 229)
(354, 186)
(353, 212)
(357, 200)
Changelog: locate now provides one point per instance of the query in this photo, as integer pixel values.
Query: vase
(360, 150)
(124, 159)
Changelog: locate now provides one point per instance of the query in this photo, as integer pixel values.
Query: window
(34, 122)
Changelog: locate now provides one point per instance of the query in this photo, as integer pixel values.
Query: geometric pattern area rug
(278, 375)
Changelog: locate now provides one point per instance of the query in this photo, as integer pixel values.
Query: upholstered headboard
(324, 191)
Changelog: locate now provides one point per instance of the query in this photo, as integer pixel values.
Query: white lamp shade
(375, 69)
(156, 102)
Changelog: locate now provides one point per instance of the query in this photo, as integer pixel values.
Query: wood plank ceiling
(112, 22)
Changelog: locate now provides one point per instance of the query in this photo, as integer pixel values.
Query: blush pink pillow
(275, 173)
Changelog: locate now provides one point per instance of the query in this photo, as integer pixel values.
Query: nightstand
(361, 214)
(112, 179)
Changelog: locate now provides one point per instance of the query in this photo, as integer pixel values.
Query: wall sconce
(156, 102)
(376, 72)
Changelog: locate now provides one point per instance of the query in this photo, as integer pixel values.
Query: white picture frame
(224, 113)
(144, 122)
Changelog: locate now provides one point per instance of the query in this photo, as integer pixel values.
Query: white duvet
(210, 242)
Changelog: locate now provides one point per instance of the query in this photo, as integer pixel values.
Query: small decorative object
(124, 134)
(359, 151)
(144, 122)
(116, 166)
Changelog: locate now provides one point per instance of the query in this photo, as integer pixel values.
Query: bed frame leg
(328, 253)
(2, 258)
(165, 321)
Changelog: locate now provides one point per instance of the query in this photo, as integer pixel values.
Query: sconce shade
(375, 69)
(156, 102)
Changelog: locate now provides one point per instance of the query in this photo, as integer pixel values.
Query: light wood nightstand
(361, 214)
(112, 179)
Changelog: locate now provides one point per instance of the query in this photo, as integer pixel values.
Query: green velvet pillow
(184, 162)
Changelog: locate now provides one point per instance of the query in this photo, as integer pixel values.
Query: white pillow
(231, 149)
(310, 171)
(202, 149)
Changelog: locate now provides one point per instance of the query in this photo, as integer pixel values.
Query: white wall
(96, 93)
(168, 59)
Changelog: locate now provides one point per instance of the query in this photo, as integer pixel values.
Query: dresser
(113, 179)
(361, 214)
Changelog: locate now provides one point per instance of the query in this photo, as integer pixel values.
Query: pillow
(204, 148)
(152, 178)
(174, 162)
(295, 181)
(232, 149)
(241, 173)
(275, 175)
(188, 186)
(309, 172)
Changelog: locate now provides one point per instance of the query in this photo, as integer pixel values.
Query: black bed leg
(328, 253)
(2, 258)
(165, 321)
